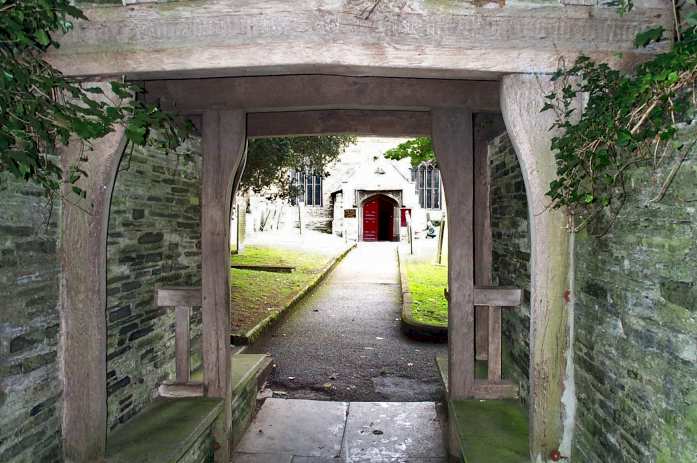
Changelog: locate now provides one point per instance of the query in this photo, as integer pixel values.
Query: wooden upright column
(83, 294)
(551, 400)
(224, 143)
(486, 127)
(453, 145)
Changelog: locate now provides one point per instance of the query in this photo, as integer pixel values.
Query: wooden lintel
(319, 92)
(354, 122)
(494, 391)
(499, 297)
(174, 297)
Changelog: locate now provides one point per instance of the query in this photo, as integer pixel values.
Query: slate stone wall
(153, 241)
(636, 325)
(30, 386)
(635, 314)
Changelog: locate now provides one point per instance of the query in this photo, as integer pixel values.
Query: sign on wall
(349, 213)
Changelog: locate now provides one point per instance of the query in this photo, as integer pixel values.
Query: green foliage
(40, 108)
(419, 150)
(629, 119)
(270, 161)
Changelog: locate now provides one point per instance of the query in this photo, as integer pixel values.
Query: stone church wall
(635, 314)
(153, 241)
(30, 386)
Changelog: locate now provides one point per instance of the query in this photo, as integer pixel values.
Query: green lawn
(256, 294)
(426, 283)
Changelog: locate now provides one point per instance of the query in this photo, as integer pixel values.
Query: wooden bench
(166, 431)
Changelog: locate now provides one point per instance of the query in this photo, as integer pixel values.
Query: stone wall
(153, 241)
(30, 387)
(636, 326)
(635, 314)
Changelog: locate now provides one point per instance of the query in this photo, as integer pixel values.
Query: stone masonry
(635, 314)
(153, 241)
(30, 387)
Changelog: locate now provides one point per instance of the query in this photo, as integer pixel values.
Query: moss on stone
(491, 431)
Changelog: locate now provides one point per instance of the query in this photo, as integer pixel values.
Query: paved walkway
(307, 431)
(344, 341)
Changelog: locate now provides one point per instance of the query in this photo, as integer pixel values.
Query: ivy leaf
(42, 37)
(654, 34)
(691, 19)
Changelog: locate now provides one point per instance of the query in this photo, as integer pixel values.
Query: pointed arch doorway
(379, 215)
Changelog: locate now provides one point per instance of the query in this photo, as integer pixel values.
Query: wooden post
(83, 295)
(551, 410)
(224, 142)
(182, 343)
(487, 319)
(453, 145)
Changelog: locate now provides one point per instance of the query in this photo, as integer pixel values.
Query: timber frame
(231, 110)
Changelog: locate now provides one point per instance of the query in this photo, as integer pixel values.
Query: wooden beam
(409, 37)
(502, 297)
(224, 142)
(486, 127)
(354, 122)
(83, 295)
(174, 296)
(321, 92)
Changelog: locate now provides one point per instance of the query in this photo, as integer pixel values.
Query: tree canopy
(270, 161)
(419, 150)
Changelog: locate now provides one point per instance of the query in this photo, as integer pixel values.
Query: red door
(371, 209)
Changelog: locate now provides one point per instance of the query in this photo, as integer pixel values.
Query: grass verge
(256, 295)
(426, 283)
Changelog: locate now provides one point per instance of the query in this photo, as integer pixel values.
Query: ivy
(41, 109)
(629, 120)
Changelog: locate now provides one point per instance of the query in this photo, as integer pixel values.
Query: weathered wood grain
(174, 296)
(83, 295)
(486, 127)
(321, 92)
(550, 347)
(182, 343)
(224, 142)
(354, 122)
(410, 38)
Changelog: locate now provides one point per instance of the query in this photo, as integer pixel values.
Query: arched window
(427, 181)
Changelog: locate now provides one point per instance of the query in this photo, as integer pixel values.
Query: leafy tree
(419, 150)
(270, 161)
(40, 108)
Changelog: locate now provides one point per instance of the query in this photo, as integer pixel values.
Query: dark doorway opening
(378, 218)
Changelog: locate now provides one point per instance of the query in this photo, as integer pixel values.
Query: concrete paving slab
(296, 427)
(238, 457)
(389, 431)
